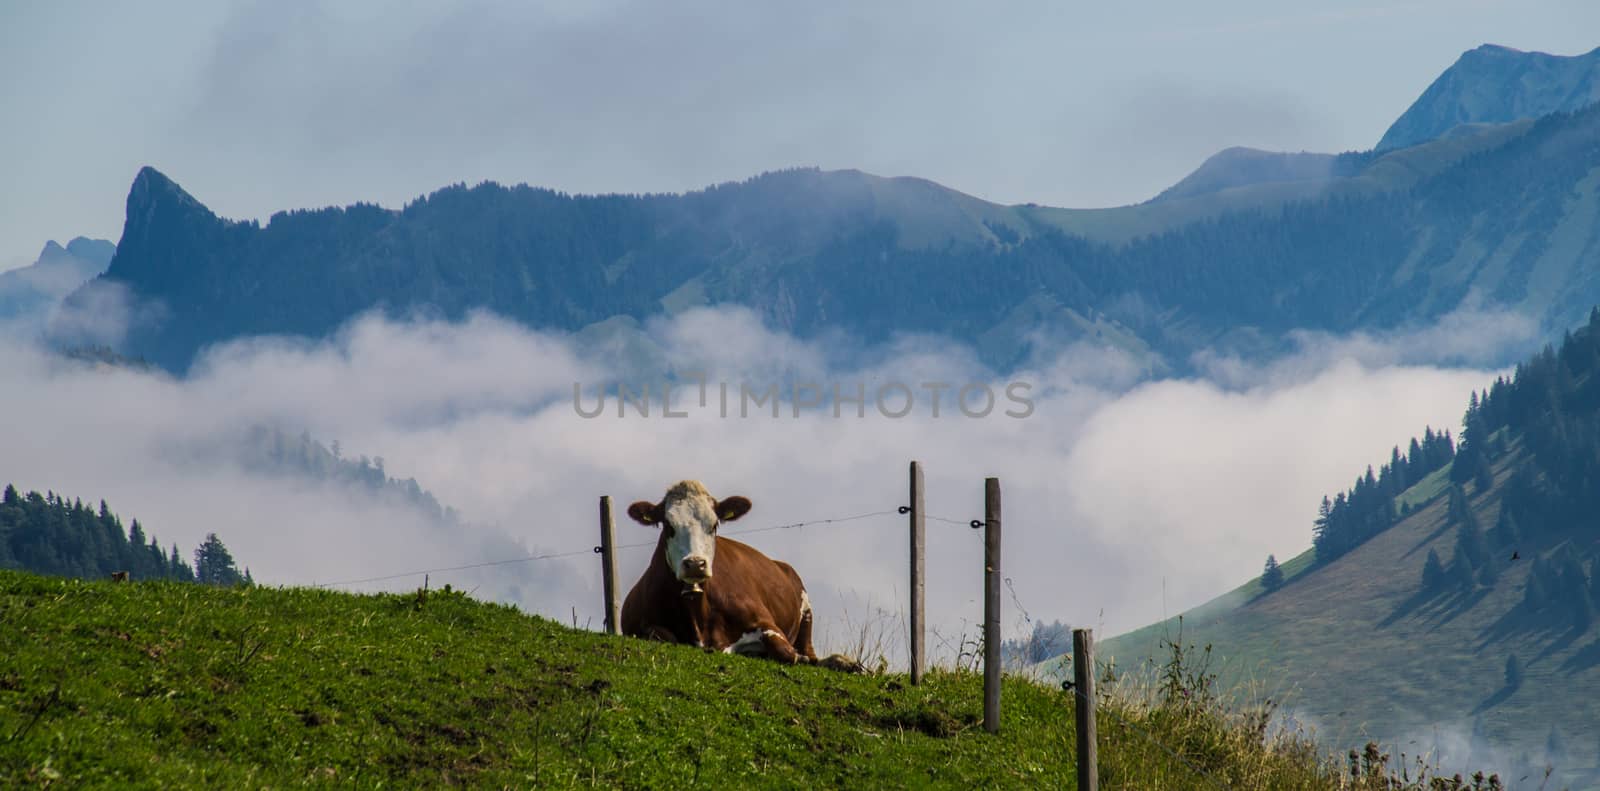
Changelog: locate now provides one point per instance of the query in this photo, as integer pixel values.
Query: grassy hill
(1145, 642)
(179, 685)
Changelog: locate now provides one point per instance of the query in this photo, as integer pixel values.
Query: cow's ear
(733, 508)
(645, 513)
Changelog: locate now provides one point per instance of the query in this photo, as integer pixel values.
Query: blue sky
(257, 106)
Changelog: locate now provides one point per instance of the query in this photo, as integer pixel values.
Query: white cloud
(1115, 492)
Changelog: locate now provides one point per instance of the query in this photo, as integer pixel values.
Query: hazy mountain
(1240, 167)
(1493, 85)
(1506, 217)
(28, 293)
(1249, 246)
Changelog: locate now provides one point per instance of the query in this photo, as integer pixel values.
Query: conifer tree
(1506, 533)
(1459, 509)
(213, 564)
(1489, 572)
(1432, 572)
(1470, 541)
(1272, 575)
(1483, 478)
(1536, 592)
(1582, 614)
(1461, 571)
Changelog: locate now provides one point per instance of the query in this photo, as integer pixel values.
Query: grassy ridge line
(1145, 642)
(172, 685)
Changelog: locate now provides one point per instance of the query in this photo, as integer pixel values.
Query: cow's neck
(694, 608)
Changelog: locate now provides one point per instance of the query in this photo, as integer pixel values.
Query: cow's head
(690, 516)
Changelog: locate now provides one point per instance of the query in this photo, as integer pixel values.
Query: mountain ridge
(810, 249)
(1496, 84)
(28, 293)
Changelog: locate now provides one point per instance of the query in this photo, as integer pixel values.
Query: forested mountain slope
(1459, 612)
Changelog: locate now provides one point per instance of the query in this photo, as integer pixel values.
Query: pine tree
(1536, 591)
(1513, 672)
(1459, 510)
(1582, 614)
(213, 564)
(1461, 571)
(1432, 572)
(1470, 540)
(1506, 533)
(1483, 478)
(1397, 468)
(1319, 528)
(177, 568)
(1570, 583)
(1489, 572)
(1272, 575)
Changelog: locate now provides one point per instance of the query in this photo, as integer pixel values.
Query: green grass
(172, 685)
(1426, 489)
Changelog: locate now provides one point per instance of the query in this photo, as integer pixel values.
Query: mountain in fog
(27, 294)
(1506, 219)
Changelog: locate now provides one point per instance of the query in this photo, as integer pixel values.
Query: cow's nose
(694, 567)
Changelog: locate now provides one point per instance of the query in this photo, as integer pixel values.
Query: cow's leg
(808, 655)
(765, 640)
(779, 648)
(802, 636)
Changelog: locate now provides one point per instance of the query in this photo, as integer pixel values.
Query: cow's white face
(690, 515)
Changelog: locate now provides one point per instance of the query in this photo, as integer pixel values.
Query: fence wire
(577, 552)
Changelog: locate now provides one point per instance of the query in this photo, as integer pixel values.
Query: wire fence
(834, 520)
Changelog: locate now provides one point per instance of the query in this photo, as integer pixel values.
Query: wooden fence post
(1083, 685)
(608, 567)
(991, 605)
(918, 567)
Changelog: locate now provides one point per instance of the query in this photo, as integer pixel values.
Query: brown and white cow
(704, 590)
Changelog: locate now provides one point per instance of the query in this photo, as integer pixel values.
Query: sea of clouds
(1126, 498)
